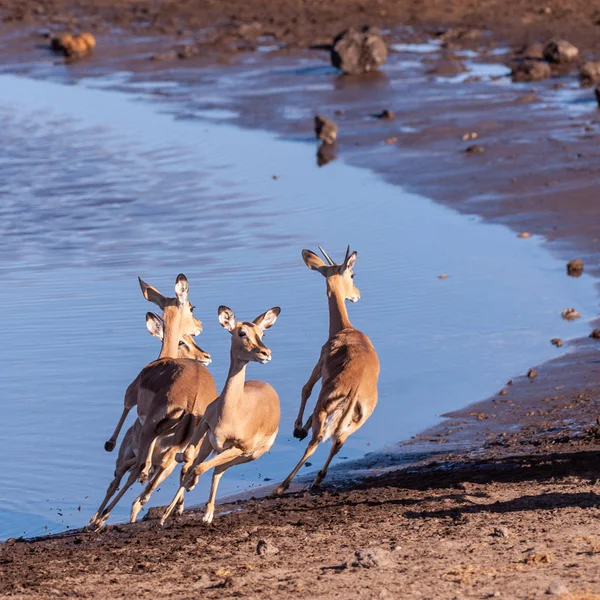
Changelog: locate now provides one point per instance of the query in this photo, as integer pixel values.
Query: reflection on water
(97, 187)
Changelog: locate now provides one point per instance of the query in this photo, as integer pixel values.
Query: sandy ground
(514, 516)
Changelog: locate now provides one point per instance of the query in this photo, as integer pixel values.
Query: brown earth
(514, 516)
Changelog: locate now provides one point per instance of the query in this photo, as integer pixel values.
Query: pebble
(532, 373)
(575, 267)
(557, 588)
(556, 342)
(570, 314)
(524, 235)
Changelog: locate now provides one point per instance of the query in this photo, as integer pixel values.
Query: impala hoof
(180, 457)
(300, 433)
(109, 446)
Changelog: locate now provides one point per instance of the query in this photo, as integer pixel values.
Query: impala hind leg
(101, 520)
(113, 487)
(318, 422)
(160, 474)
(198, 469)
(110, 444)
(335, 448)
(217, 474)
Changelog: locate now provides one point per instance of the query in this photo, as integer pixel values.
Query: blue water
(98, 187)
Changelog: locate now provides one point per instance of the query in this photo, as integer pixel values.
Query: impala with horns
(242, 423)
(171, 395)
(126, 457)
(183, 347)
(348, 368)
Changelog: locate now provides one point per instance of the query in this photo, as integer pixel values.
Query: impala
(242, 423)
(348, 368)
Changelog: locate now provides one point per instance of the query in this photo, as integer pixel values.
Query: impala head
(340, 277)
(177, 312)
(187, 346)
(246, 336)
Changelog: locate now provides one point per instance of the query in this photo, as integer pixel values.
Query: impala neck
(338, 315)
(233, 389)
(170, 342)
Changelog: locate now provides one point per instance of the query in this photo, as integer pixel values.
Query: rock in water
(560, 52)
(357, 52)
(597, 92)
(325, 129)
(589, 73)
(575, 267)
(531, 70)
(73, 46)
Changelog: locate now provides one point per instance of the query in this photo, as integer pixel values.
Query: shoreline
(454, 485)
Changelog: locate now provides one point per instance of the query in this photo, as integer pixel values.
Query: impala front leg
(301, 432)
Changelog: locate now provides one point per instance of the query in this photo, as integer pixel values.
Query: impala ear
(349, 262)
(313, 262)
(152, 294)
(267, 319)
(154, 325)
(226, 318)
(181, 288)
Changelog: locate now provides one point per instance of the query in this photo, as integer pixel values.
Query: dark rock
(531, 70)
(589, 73)
(560, 52)
(186, 51)
(475, 149)
(264, 548)
(556, 342)
(575, 267)
(385, 115)
(533, 51)
(597, 92)
(371, 558)
(532, 373)
(502, 532)
(595, 334)
(325, 129)
(356, 52)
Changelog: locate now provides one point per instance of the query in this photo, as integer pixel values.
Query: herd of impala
(182, 419)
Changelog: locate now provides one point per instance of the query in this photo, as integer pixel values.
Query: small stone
(472, 135)
(386, 115)
(532, 373)
(164, 56)
(557, 588)
(575, 267)
(556, 342)
(502, 532)
(325, 129)
(442, 276)
(560, 52)
(264, 548)
(597, 93)
(391, 140)
(570, 314)
(595, 334)
(276, 177)
(371, 558)
(524, 235)
(533, 51)
(474, 149)
(357, 52)
(503, 392)
(531, 70)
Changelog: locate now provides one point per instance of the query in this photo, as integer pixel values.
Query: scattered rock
(474, 149)
(570, 314)
(265, 548)
(73, 46)
(575, 267)
(532, 373)
(386, 114)
(557, 588)
(186, 51)
(471, 135)
(391, 140)
(502, 532)
(357, 52)
(325, 129)
(503, 392)
(560, 52)
(524, 235)
(531, 70)
(597, 92)
(589, 73)
(595, 334)
(371, 558)
(537, 558)
(556, 342)
(447, 67)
